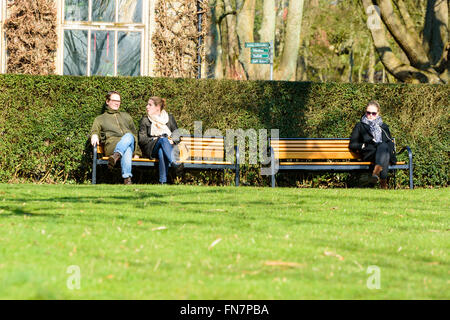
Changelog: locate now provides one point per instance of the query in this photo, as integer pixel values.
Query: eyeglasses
(371, 113)
(115, 101)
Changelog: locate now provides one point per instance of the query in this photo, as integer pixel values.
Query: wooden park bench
(323, 154)
(196, 153)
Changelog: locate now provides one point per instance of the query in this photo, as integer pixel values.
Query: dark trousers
(382, 158)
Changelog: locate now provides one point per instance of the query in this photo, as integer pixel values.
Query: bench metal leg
(395, 179)
(272, 167)
(410, 156)
(94, 166)
(411, 184)
(236, 171)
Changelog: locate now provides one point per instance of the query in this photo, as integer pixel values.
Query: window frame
(116, 27)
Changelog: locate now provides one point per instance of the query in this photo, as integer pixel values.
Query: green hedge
(45, 120)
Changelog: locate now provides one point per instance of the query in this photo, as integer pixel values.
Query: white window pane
(76, 10)
(75, 49)
(102, 53)
(130, 11)
(129, 54)
(103, 10)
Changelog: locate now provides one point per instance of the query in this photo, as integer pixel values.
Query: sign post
(261, 53)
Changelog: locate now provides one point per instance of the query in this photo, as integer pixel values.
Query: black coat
(361, 135)
(146, 140)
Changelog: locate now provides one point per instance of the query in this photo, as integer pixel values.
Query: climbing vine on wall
(176, 38)
(31, 36)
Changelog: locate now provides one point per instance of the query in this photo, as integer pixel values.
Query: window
(103, 37)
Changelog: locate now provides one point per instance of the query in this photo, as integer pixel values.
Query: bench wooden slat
(202, 140)
(317, 155)
(314, 142)
(138, 160)
(333, 163)
(307, 149)
(206, 162)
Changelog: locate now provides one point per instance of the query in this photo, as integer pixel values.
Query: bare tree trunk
(245, 22)
(267, 33)
(363, 60)
(435, 33)
(288, 63)
(215, 67)
(234, 69)
(371, 64)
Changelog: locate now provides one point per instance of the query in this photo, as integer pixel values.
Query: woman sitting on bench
(155, 136)
(372, 138)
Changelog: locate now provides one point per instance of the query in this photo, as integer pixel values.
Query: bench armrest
(406, 148)
(410, 155)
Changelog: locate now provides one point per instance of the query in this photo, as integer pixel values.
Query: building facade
(107, 37)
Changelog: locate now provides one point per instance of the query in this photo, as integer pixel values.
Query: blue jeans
(126, 147)
(163, 151)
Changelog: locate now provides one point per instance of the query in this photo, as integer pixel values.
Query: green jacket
(111, 126)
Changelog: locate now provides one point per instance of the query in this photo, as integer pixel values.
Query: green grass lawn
(189, 242)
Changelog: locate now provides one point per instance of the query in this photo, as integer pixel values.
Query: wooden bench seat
(196, 153)
(322, 154)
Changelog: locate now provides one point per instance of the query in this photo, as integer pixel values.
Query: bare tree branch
(398, 69)
(409, 42)
(406, 17)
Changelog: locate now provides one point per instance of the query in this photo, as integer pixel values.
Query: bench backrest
(314, 149)
(202, 148)
(195, 148)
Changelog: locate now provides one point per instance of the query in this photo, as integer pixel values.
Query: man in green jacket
(116, 131)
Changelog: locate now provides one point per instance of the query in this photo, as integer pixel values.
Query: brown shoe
(383, 184)
(376, 174)
(127, 181)
(377, 170)
(112, 160)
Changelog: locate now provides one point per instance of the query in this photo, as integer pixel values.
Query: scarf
(159, 124)
(375, 127)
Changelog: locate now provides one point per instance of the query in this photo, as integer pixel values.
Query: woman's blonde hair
(374, 103)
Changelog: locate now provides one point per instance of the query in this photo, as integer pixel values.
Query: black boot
(179, 167)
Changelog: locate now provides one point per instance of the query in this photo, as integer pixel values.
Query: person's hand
(94, 140)
(136, 156)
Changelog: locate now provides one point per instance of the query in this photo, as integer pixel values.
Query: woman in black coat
(155, 136)
(372, 138)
